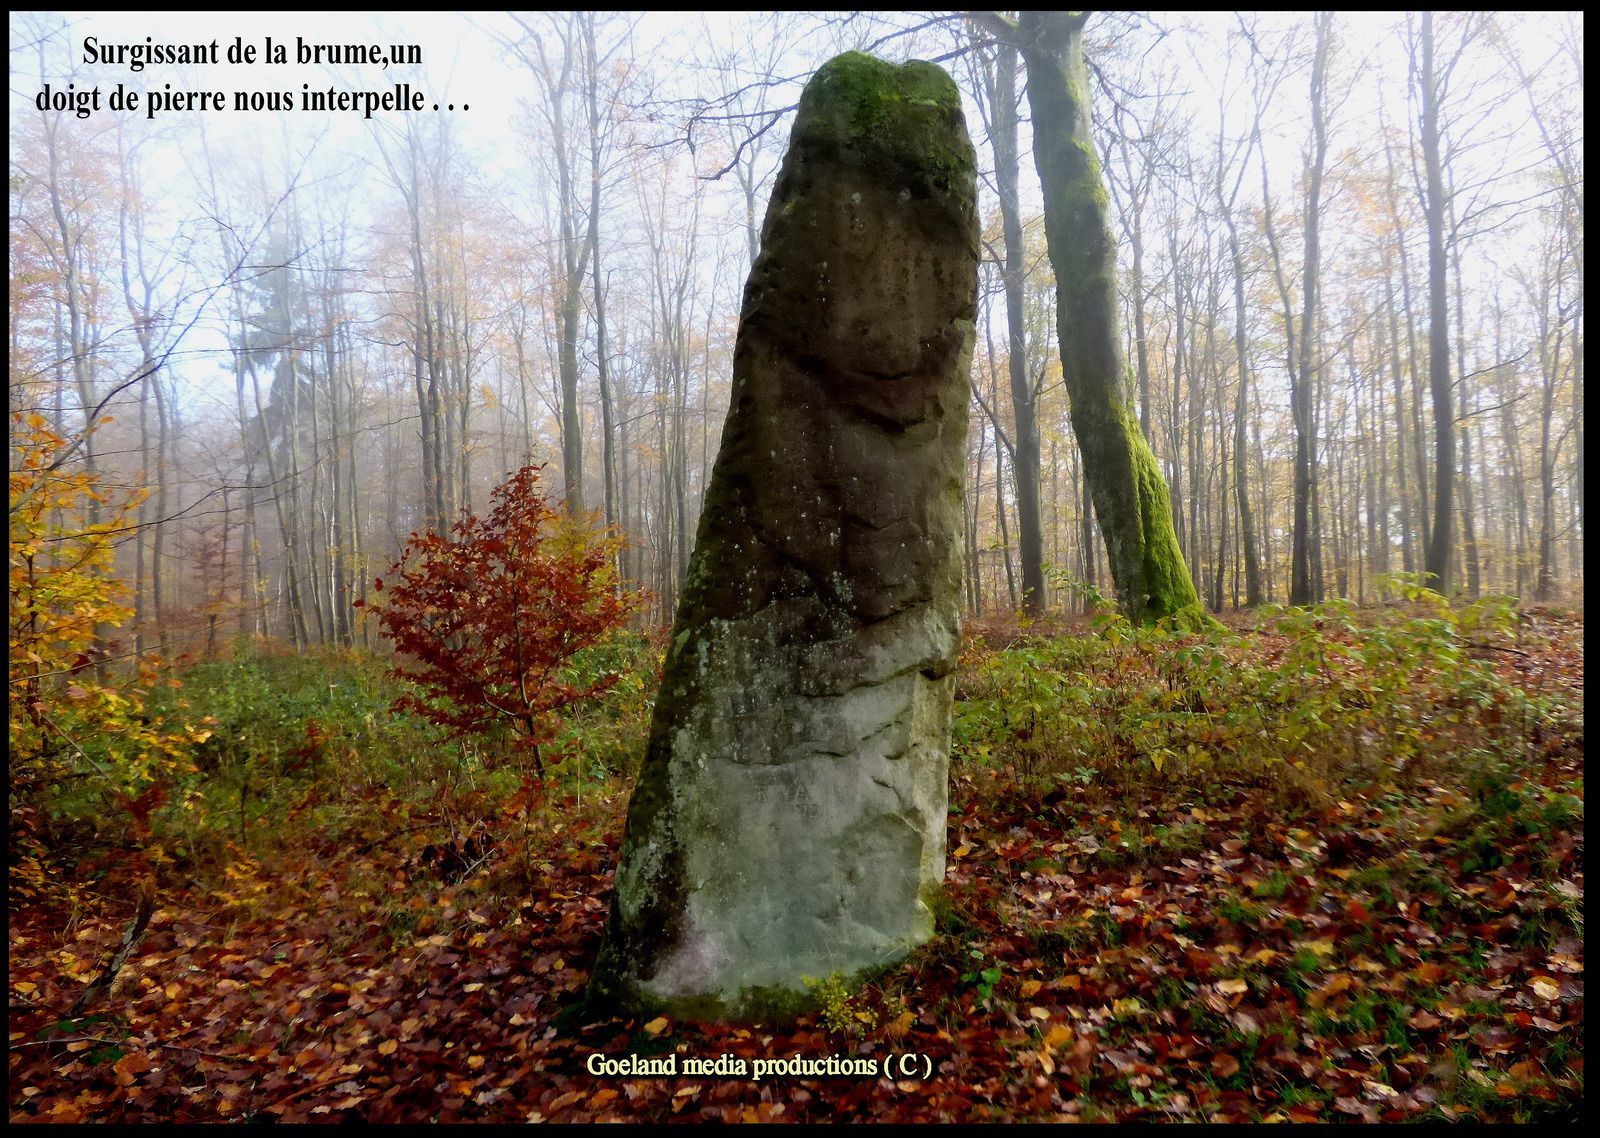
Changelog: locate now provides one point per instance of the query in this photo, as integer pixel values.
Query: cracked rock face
(789, 818)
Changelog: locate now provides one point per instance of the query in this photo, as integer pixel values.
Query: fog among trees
(1349, 277)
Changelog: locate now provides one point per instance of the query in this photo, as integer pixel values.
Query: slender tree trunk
(1441, 543)
(1025, 436)
(975, 567)
(1304, 583)
(1469, 533)
(1410, 510)
(1241, 417)
(158, 586)
(1005, 529)
(602, 363)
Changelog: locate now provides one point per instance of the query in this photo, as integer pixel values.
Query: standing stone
(789, 819)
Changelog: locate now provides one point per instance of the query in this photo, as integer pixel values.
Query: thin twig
(324, 1084)
(102, 983)
(376, 842)
(144, 1043)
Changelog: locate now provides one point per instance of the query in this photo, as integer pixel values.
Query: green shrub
(307, 747)
(1308, 699)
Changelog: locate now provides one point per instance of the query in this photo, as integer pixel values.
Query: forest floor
(1195, 947)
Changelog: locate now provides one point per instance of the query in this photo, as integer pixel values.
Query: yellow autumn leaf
(900, 1026)
(1038, 1013)
(657, 1025)
(1232, 987)
(1029, 987)
(1329, 990)
(388, 1047)
(1545, 989)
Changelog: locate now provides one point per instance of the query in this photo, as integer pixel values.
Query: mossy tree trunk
(1130, 496)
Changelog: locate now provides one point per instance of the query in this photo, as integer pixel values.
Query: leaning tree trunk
(1130, 496)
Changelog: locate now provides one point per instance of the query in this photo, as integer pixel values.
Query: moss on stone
(905, 115)
(766, 1004)
(787, 577)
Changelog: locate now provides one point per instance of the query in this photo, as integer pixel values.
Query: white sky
(465, 65)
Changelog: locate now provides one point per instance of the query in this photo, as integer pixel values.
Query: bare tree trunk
(1305, 584)
(602, 364)
(1441, 543)
(1025, 438)
(970, 503)
(1241, 417)
(574, 249)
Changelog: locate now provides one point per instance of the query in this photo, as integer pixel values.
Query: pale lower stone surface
(789, 819)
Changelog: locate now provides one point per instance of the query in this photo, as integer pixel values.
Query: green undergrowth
(1326, 864)
(306, 751)
(1309, 703)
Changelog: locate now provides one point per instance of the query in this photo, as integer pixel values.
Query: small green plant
(983, 979)
(1273, 888)
(1171, 993)
(1240, 912)
(838, 1008)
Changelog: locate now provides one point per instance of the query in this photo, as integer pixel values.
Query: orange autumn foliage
(490, 619)
(66, 723)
